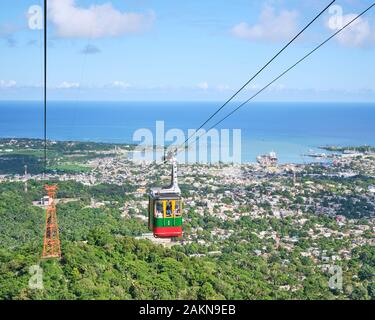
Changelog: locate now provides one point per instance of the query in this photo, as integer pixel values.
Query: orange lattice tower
(51, 245)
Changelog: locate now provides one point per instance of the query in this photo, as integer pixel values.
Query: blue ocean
(290, 129)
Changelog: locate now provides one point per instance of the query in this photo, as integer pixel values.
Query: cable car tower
(51, 244)
(165, 206)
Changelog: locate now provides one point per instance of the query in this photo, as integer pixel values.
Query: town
(320, 211)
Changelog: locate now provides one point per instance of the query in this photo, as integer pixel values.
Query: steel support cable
(289, 69)
(45, 76)
(260, 71)
(294, 65)
(45, 86)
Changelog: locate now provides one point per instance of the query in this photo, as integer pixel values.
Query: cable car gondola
(165, 207)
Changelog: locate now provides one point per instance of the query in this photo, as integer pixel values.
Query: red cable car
(165, 207)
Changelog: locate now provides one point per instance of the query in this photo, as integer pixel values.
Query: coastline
(289, 129)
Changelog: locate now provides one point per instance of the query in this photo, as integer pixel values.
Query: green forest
(102, 260)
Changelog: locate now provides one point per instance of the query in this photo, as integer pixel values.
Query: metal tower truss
(51, 244)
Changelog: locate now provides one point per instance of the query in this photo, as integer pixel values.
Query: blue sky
(184, 50)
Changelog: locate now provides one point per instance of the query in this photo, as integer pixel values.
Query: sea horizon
(188, 101)
(291, 129)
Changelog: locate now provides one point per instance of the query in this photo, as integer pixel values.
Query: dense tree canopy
(102, 260)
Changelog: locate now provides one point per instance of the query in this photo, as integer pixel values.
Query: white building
(45, 201)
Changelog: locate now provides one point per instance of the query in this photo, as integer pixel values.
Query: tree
(206, 292)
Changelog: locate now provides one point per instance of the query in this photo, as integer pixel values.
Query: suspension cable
(45, 86)
(292, 67)
(260, 71)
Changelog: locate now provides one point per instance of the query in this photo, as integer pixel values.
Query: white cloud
(271, 26)
(120, 84)
(68, 85)
(356, 35)
(223, 87)
(203, 86)
(97, 21)
(6, 84)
